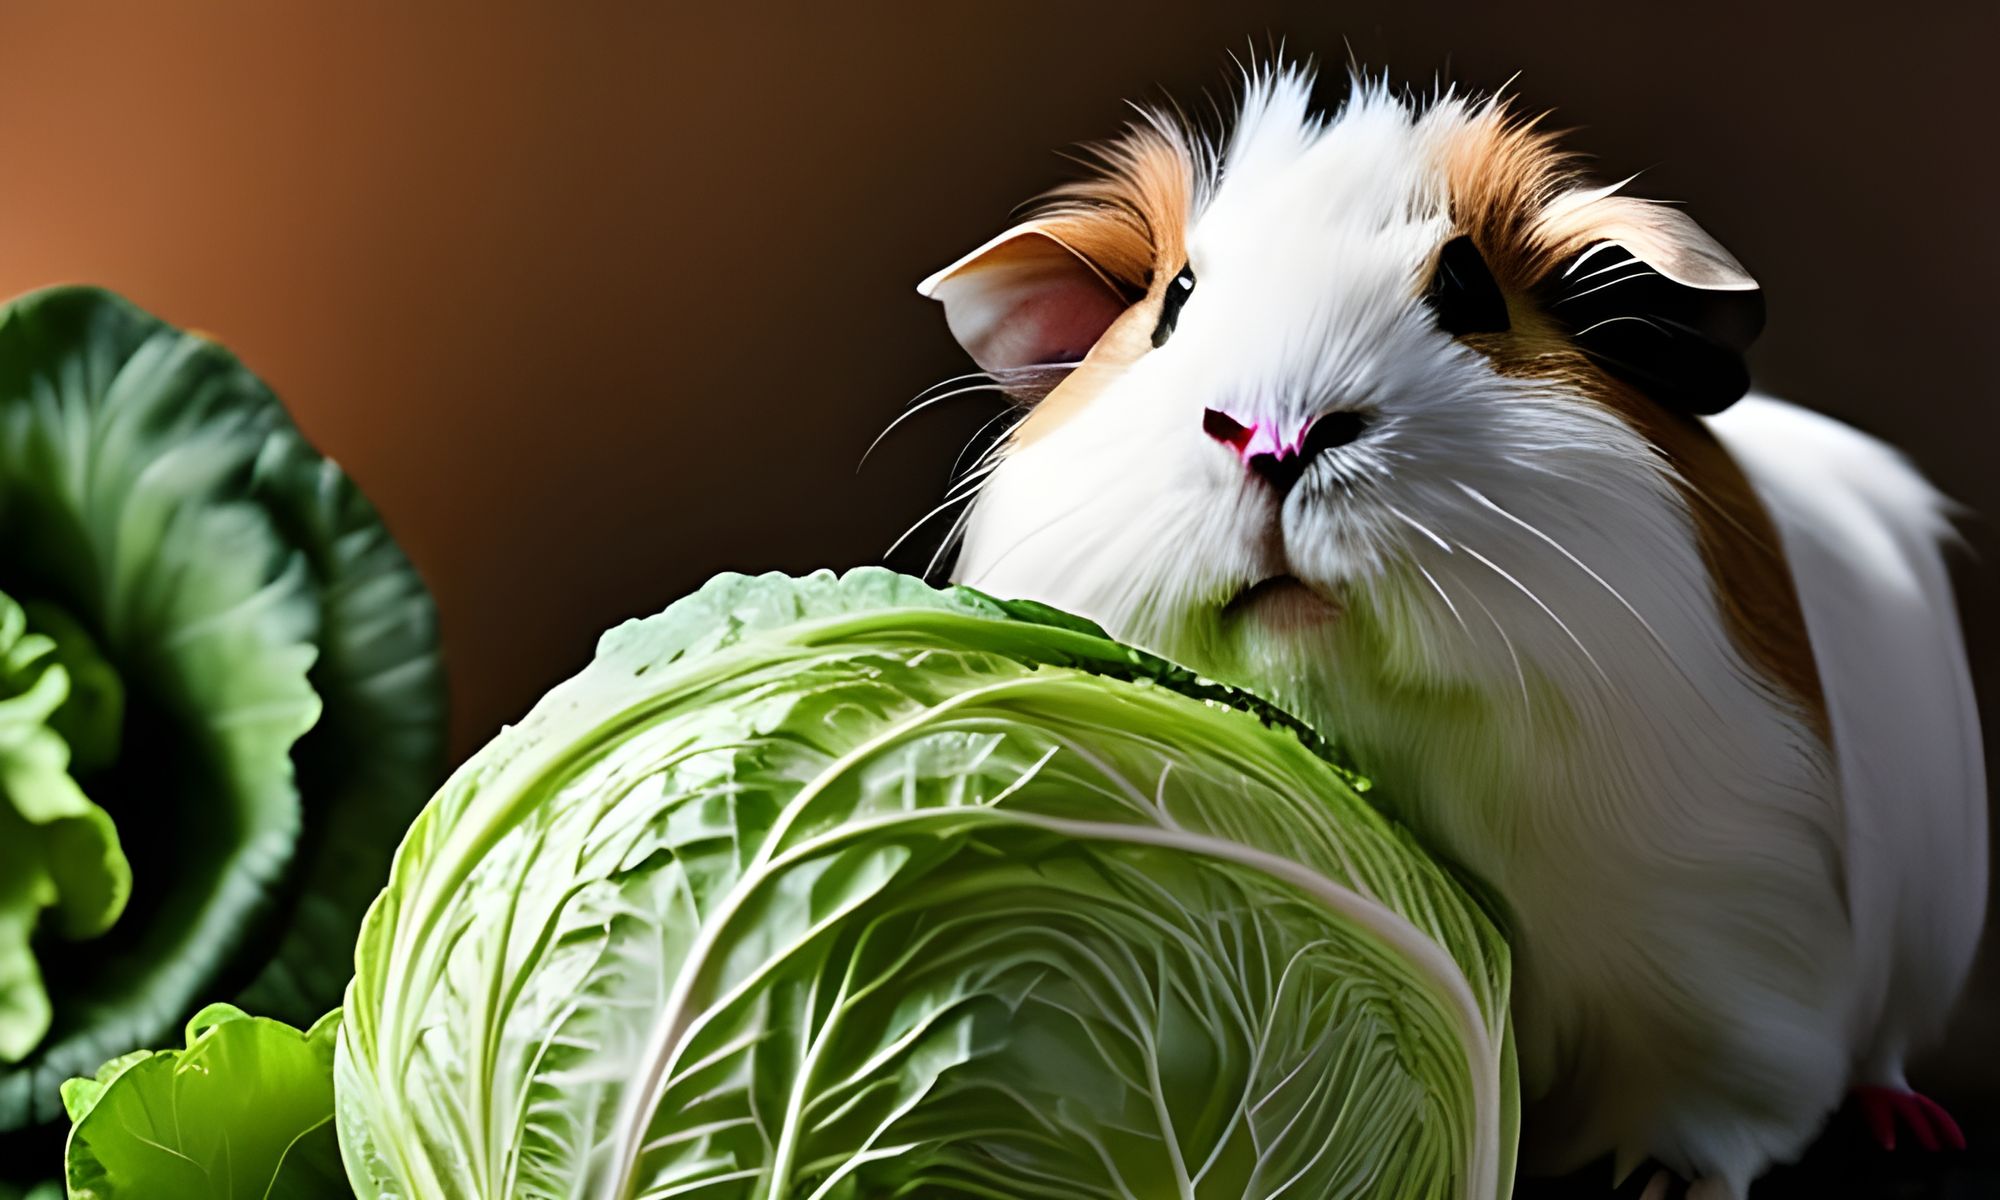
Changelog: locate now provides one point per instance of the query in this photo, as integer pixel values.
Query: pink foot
(1884, 1108)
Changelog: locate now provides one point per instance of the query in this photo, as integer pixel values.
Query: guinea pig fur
(1388, 415)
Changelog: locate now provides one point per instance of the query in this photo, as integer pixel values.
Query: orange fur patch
(1740, 547)
(1503, 174)
(1131, 223)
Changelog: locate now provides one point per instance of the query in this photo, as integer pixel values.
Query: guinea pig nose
(1333, 430)
(1225, 429)
(1277, 456)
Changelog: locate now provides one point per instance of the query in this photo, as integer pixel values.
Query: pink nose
(1278, 453)
(1254, 439)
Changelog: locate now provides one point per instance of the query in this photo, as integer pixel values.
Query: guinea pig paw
(1887, 1108)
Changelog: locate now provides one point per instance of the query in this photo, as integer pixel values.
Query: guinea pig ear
(1658, 303)
(1025, 299)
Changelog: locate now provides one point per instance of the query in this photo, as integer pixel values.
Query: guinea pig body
(1390, 418)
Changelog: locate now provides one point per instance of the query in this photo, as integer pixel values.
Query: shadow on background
(598, 302)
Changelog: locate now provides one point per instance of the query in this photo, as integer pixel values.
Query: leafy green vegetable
(245, 1112)
(59, 854)
(216, 660)
(840, 888)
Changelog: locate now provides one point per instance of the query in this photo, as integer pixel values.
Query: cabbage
(220, 700)
(840, 888)
(245, 1112)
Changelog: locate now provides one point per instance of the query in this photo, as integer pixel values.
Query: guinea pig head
(1388, 393)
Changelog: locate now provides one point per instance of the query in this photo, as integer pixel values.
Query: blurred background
(598, 300)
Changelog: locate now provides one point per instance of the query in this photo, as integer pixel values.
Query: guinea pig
(1388, 415)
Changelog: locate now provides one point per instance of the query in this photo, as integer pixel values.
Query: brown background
(597, 300)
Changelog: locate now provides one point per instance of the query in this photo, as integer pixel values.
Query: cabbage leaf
(236, 700)
(831, 888)
(244, 1112)
(59, 853)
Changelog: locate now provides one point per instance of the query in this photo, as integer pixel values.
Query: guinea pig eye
(1462, 293)
(1178, 290)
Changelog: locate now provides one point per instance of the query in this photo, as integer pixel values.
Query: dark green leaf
(268, 712)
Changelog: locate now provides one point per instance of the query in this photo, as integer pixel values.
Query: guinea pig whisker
(1525, 590)
(1413, 523)
(1623, 264)
(1612, 283)
(1624, 271)
(925, 520)
(964, 488)
(1559, 548)
(992, 451)
(1439, 589)
(1034, 533)
(1753, 537)
(925, 396)
(1520, 676)
(945, 383)
(1614, 320)
(971, 479)
(916, 408)
(952, 538)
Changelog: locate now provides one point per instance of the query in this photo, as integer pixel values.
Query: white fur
(1862, 532)
(1530, 658)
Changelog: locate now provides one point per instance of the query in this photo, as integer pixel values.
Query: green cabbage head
(220, 700)
(848, 888)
